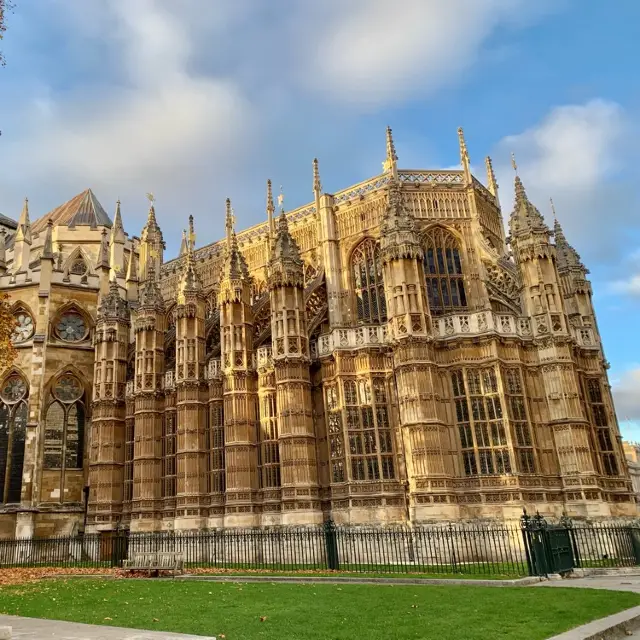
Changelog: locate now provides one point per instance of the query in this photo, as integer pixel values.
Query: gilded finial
(150, 197)
(317, 185)
(513, 162)
(553, 210)
(281, 200)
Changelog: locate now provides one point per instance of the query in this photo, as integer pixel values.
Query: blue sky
(197, 100)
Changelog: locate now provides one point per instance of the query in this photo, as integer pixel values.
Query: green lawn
(244, 611)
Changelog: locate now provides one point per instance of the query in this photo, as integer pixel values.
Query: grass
(248, 611)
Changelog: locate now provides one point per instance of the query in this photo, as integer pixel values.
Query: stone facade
(384, 354)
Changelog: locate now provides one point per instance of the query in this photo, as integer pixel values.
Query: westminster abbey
(388, 353)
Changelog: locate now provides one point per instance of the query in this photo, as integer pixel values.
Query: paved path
(33, 629)
(614, 583)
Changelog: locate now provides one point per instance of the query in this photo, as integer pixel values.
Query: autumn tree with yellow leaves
(7, 326)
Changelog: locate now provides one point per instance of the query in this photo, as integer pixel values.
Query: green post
(331, 544)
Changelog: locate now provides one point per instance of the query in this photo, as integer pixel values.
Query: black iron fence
(534, 547)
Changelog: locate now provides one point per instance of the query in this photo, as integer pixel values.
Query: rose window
(71, 327)
(24, 328)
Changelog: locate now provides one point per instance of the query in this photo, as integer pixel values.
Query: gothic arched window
(443, 272)
(13, 424)
(368, 284)
(65, 424)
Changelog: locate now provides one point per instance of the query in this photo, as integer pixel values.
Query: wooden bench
(155, 561)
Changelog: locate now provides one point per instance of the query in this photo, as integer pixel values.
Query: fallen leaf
(108, 618)
(263, 618)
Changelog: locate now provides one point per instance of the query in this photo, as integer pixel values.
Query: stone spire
(399, 238)
(317, 185)
(567, 258)
(491, 178)
(235, 266)
(103, 256)
(113, 305)
(271, 233)
(464, 156)
(183, 244)
(23, 233)
(286, 263)
(131, 280)
(22, 243)
(3, 253)
(117, 229)
(525, 217)
(151, 241)
(390, 165)
(47, 249)
(150, 295)
(189, 281)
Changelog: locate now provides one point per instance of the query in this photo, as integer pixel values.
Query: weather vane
(513, 162)
(281, 199)
(151, 198)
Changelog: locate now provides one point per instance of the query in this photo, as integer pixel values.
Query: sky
(200, 100)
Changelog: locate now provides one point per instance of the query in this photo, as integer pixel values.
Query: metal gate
(549, 548)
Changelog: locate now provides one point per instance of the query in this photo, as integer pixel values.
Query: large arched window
(369, 286)
(65, 423)
(13, 423)
(443, 271)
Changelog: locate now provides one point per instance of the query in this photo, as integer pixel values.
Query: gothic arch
(262, 323)
(212, 337)
(366, 282)
(444, 269)
(26, 322)
(66, 419)
(14, 412)
(71, 308)
(170, 316)
(74, 257)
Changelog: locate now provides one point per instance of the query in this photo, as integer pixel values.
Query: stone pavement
(629, 582)
(33, 629)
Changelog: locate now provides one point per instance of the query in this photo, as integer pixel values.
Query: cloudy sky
(197, 100)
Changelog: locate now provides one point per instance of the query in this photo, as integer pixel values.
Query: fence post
(331, 544)
(634, 534)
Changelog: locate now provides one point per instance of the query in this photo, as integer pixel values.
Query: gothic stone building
(384, 354)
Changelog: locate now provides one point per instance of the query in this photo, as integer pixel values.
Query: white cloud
(630, 284)
(371, 52)
(626, 392)
(577, 156)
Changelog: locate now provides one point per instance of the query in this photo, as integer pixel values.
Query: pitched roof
(8, 222)
(84, 209)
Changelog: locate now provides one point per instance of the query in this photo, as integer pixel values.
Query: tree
(5, 7)
(7, 325)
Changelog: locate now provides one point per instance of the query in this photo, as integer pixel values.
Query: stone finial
(317, 185)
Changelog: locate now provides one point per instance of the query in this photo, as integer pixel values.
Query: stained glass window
(71, 327)
(24, 328)
(65, 425)
(443, 272)
(368, 283)
(13, 425)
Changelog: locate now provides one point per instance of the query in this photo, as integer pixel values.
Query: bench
(155, 561)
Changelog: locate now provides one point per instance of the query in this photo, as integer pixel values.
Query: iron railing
(451, 549)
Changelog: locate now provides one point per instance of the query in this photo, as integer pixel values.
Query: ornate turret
(526, 219)
(183, 244)
(567, 258)
(240, 386)
(103, 263)
(22, 244)
(191, 451)
(106, 464)
(398, 238)
(131, 280)
(290, 349)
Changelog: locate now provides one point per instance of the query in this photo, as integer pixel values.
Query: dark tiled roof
(84, 209)
(8, 222)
